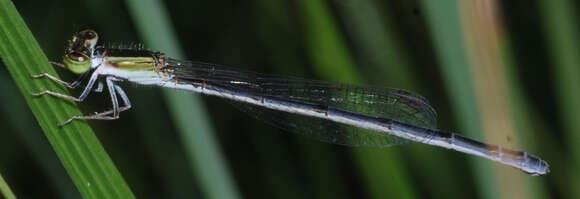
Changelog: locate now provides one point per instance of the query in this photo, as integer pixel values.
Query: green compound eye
(77, 63)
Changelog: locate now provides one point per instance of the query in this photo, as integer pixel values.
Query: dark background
(525, 78)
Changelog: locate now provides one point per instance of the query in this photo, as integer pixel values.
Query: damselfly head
(84, 40)
(78, 54)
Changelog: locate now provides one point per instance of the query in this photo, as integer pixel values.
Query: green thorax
(130, 59)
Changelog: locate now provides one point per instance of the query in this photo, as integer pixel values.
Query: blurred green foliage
(428, 47)
(5, 189)
(79, 150)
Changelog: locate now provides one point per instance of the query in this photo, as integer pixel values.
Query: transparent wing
(394, 104)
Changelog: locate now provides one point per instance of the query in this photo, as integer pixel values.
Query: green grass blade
(384, 174)
(34, 142)
(444, 21)
(381, 47)
(77, 147)
(188, 111)
(526, 126)
(488, 64)
(5, 189)
(560, 23)
(283, 52)
(385, 58)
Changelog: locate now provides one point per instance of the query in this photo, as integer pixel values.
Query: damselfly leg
(110, 114)
(62, 65)
(57, 80)
(113, 90)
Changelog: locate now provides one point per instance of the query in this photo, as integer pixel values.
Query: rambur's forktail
(331, 112)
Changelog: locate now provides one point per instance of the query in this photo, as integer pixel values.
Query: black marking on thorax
(116, 52)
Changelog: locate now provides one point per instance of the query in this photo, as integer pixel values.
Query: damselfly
(332, 112)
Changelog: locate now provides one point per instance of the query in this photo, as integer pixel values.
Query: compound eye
(88, 38)
(89, 34)
(77, 62)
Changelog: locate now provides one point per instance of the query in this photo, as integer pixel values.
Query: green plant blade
(325, 180)
(34, 143)
(383, 172)
(188, 111)
(5, 189)
(386, 59)
(560, 23)
(79, 150)
(445, 24)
